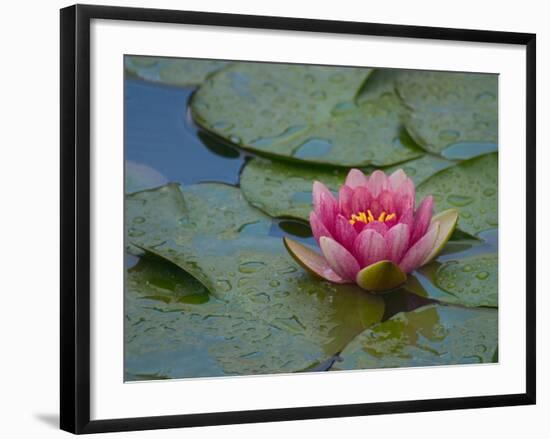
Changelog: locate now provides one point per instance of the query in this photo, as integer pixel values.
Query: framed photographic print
(268, 218)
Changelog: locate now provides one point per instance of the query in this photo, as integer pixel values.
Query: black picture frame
(75, 217)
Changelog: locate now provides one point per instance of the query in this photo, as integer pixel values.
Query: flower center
(368, 217)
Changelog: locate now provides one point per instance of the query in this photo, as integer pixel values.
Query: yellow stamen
(368, 217)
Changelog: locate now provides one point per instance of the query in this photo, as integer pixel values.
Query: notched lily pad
(432, 335)
(471, 188)
(180, 72)
(303, 113)
(211, 232)
(448, 108)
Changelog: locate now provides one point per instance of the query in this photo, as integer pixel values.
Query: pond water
(161, 138)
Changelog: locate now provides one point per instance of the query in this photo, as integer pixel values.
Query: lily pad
(211, 232)
(283, 189)
(449, 107)
(174, 330)
(303, 113)
(422, 168)
(432, 335)
(473, 281)
(448, 282)
(180, 72)
(381, 82)
(471, 188)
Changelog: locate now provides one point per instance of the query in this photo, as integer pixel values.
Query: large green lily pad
(448, 108)
(173, 329)
(181, 72)
(471, 187)
(303, 113)
(211, 232)
(432, 335)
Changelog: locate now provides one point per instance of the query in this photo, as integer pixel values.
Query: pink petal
(369, 247)
(324, 204)
(404, 197)
(345, 195)
(422, 218)
(311, 260)
(397, 178)
(397, 242)
(317, 227)
(407, 188)
(420, 250)
(386, 201)
(377, 183)
(344, 232)
(407, 217)
(339, 259)
(361, 200)
(355, 179)
(377, 226)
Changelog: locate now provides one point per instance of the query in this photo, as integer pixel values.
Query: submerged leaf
(138, 177)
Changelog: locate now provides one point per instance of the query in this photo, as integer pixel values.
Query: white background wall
(29, 206)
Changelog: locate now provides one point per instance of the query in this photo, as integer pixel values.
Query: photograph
(298, 218)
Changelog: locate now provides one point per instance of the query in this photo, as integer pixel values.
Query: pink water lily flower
(372, 235)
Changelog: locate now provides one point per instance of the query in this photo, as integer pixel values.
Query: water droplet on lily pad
(459, 200)
(134, 233)
(482, 275)
(251, 267)
(449, 135)
(342, 108)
